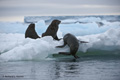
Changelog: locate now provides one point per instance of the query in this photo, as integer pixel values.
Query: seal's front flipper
(56, 38)
(61, 46)
(65, 53)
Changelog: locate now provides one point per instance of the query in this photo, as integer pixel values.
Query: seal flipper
(82, 41)
(56, 38)
(65, 53)
(61, 46)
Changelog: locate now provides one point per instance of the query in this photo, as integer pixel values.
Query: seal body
(52, 29)
(72, 42)
(30, 32)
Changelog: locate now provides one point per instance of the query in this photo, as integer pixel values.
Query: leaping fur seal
(30, 32)
(72, 42)
(52, 29)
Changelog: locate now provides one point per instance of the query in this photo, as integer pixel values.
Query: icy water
(85, 68)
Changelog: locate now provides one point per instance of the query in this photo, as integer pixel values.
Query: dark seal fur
(72, 42)
(30, 32)
(52, 29)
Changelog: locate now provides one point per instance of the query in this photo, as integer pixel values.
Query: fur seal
(30, 32)
(52, 29)
(72, 42)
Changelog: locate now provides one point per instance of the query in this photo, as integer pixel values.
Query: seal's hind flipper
(65, 53)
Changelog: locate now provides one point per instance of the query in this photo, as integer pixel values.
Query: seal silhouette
(72, 42)
(52, 29)
(30, 32)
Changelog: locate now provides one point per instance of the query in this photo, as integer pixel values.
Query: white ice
(13, 45)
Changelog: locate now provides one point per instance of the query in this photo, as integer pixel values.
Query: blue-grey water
(85, 68)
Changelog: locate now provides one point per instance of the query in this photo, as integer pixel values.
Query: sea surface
(60, 67)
